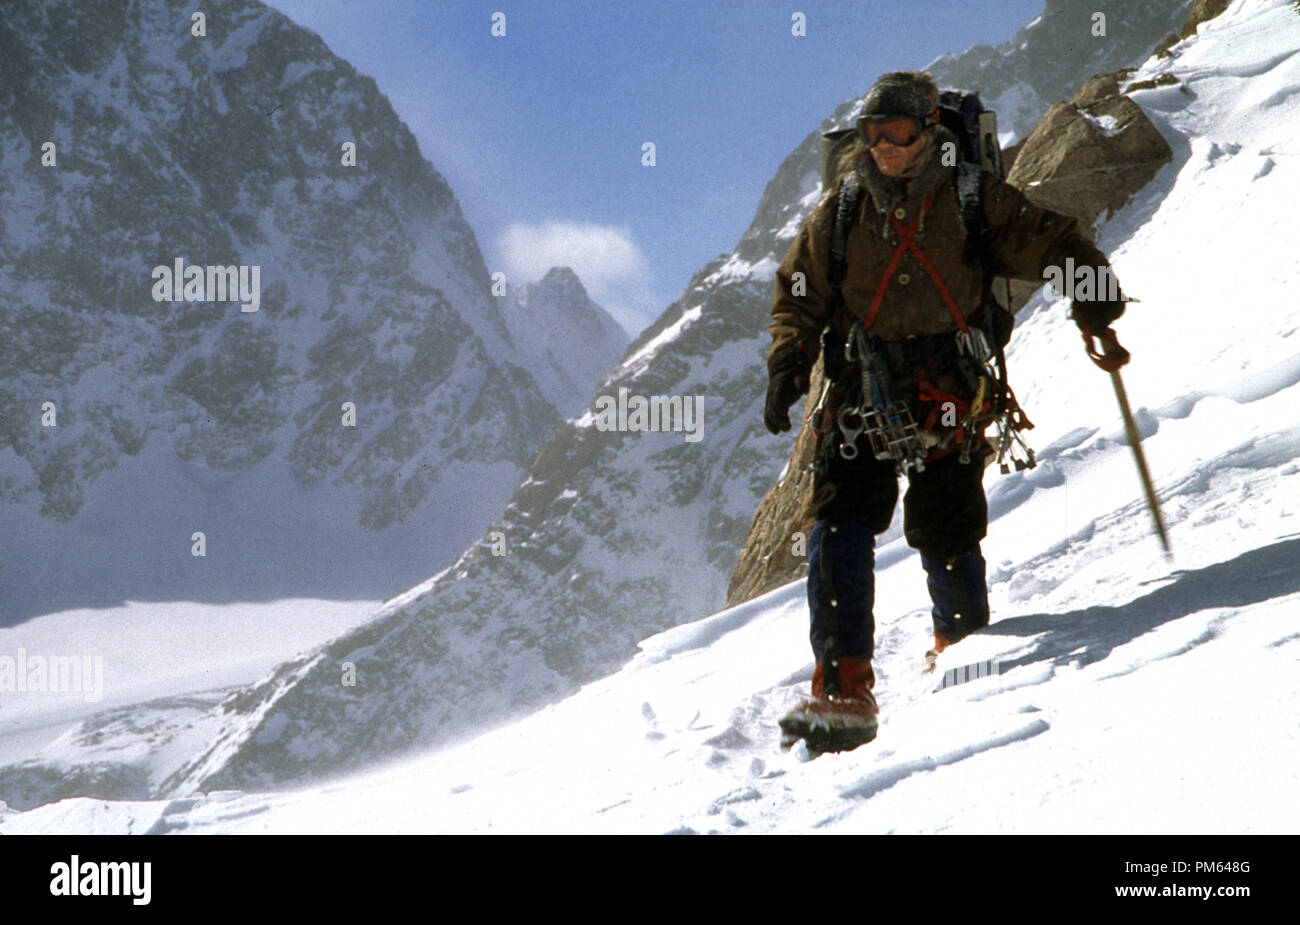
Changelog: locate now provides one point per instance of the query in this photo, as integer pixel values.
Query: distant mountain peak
(574, 342)
(563, 276)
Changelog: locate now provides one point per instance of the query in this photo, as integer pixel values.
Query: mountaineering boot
(960, 597)
(835, 722)
(932, 655)
(841, 592)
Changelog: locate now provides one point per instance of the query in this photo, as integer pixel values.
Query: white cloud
(606, 259)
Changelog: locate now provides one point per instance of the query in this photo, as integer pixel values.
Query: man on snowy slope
(911, 281)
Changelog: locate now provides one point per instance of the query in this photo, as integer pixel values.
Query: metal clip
(821, 402)
(974, 344)
(849, 449)
(1007, 444)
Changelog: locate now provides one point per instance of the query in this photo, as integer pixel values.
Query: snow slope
(1105, 719)
(1136, 695)
(163, 667)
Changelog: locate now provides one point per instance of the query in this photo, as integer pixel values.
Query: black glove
(1097, 315)
(788, 372)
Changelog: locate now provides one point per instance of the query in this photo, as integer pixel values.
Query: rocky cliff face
(131, 143)
(1048, 59)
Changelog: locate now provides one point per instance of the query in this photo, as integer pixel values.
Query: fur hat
(901, 93)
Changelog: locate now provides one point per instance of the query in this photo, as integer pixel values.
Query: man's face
(892, 159)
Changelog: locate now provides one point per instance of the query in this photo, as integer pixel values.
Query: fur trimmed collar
(888, 193)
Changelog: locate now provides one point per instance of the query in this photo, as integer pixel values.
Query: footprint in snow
(723, 804)
(654, 735)
(731, 737)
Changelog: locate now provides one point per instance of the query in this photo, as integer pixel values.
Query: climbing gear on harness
(886, 420)
(1009, 447)
(980, 359)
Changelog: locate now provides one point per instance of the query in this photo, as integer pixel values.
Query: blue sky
(540, 132)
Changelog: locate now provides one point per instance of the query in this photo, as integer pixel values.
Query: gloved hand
(1096, 315)
(788, 372)
(1110, 355)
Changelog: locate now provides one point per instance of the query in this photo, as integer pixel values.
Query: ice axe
(1110, 357)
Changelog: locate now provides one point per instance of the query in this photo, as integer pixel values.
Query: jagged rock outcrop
(1203, 11)
(1087, 157)
(1046, 60)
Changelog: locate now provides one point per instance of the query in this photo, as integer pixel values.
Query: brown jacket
(1024, 240)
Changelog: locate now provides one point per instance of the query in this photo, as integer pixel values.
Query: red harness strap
(929, 393)
(907, 242)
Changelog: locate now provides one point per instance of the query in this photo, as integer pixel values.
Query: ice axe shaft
(1110, 358)
(1135, 441)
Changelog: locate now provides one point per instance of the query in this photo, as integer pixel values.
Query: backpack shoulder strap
(846, 212)
(973, 217)
(968, 181)
(850, 197)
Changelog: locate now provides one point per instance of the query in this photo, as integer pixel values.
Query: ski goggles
(900, 131)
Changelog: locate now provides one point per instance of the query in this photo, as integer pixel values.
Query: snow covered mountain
(573, 341)
(348, 436)
(1046, 60)
(1134, 695)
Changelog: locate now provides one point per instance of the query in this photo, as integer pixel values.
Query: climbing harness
(871, 406)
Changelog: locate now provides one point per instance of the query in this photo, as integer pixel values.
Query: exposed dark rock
(1203, 11)
(1090, 155)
